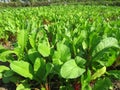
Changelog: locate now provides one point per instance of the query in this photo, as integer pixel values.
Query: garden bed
(69, 47)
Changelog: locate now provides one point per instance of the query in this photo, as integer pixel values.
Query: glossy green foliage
(22, 68)
(70, 45)
(70, 70)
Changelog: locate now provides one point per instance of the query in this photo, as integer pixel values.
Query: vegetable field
(60, 47)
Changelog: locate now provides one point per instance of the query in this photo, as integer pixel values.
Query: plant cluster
(60, 47)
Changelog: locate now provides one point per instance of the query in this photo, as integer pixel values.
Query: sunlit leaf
(4, 55)
(98, 73)
(22, 39)
(105, 44)
(63, 51)
(3, 68)
(23, 86)
(22, 68)
(70, 70)
(56, 58)
(44, 49)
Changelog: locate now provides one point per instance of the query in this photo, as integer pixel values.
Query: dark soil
(116, 85)
(7, 86)
(11, 86)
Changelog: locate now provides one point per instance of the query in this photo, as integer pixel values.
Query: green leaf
(12, 78)
(3, 68)
(98, 73)
(80, 61)
(4, 56)
(8, 73)
(37, 64)
(22, 39)
(114, 73)
(33, 54)
(49, 68)
(43, 88)
(103, 84)
(22, 68)
(32, 37)
(23, 86)
(44, 49)
(2, 49)
(105, 44)
(1, 75)
(56, 58)
(39, 69)
(32, 41)
(64, 52)
(70, 70)
(85, 81)
(84, 45)
(81, 37)
(108, 59)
